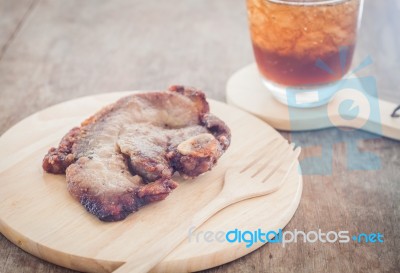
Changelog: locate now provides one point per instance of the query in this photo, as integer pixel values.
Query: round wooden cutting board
(38, 214)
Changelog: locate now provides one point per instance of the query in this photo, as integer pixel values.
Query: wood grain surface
(52, 51)
(39, 215)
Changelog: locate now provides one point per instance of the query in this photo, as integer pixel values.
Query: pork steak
(125, 155)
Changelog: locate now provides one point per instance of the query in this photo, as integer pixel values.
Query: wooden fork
(261, 176)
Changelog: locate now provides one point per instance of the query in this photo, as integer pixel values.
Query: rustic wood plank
(13, 16)
(379, 39)
(68, 49)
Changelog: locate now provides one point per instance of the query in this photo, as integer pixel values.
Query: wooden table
(52, 51)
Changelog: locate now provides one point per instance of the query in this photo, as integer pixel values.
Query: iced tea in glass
(307, 44)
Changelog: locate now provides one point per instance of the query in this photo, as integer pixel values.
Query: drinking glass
(303, 47)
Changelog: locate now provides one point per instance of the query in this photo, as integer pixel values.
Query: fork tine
(270, 143)
(255, 164)
(256, 168)
(284, 165)
(274, 143)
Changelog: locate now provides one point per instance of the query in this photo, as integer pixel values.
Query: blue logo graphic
(353, 105)
(348, 109)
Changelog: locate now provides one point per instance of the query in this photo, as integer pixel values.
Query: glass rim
(308, 3)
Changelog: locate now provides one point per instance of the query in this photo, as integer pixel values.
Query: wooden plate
(38, 214)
